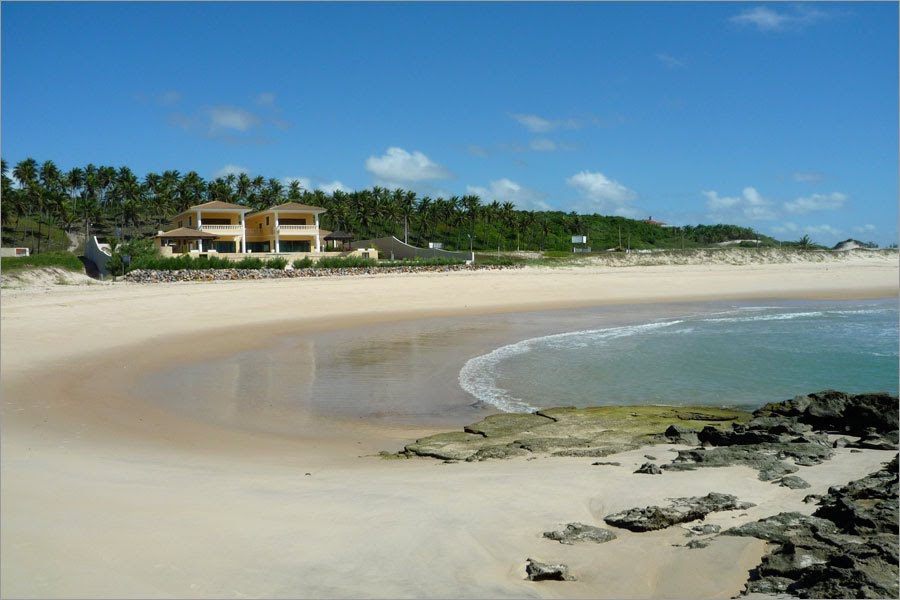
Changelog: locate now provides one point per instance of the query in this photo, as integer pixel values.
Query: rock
(874, 440)
(682, 510)
(847, 549)
(504, 451)
(610, 463)
(766, 458)
(706, 529)
(677, 434)
(649, 457)
(538, 571)
(507, 424)
(840, 443)
(694, 544)
(578, 532)
(793, 482)
(649, 469)
(831, 410)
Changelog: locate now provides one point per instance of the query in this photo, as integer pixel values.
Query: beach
(107, 494)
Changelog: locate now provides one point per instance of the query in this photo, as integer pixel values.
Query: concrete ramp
(392, 247)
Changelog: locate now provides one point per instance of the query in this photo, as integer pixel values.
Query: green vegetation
(302, 263)
(345, 262)
(63, 260)
(113, 202)
(22, 233)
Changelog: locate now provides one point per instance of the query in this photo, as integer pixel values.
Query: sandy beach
(107, 495)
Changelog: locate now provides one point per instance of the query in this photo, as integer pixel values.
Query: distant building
(652, 222)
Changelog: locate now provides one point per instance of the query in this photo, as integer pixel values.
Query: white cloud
(397, 166)
(476, 150)
(670, 61)
(786, 227)
(331, 187)
(822, 230)
(265, 99)
(541, 125)
(750, 205)
(867, 228)
(543, 145)
(231, 117)
(767, 19)
(601, 194)
(816, 202)
(506, 190)
(230, 170)
(807, 177)
(304, 182)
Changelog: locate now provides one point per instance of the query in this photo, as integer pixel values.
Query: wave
(478, 375)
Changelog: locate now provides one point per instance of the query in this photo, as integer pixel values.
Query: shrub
(63, 260)
(302, 263)
(138, 250)
(345, 262)
(250, 263)
(279, 262)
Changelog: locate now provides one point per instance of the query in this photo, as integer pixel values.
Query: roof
(339, 235)
(652, 222)
(219, 205)
(296, 206)
(185, 233)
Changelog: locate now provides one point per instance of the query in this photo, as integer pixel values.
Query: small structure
(436, 245)
(338, 236)
(15, 252)
(652, 222)
(182, 240)
(579, 244)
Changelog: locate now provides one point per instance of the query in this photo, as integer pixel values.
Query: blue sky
(782, 117)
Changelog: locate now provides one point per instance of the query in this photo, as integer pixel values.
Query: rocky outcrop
(649, 468)
(538, 571)
(838, 412)
(846, 549)
(682, 510)
(578, 532)
(582, 432)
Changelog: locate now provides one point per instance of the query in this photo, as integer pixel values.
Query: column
(243, 235)
(277, 248)
(200, 228)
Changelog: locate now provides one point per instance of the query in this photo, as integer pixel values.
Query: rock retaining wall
(154, 276)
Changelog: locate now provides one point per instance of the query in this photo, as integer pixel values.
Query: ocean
(448, 372)
(739, 355)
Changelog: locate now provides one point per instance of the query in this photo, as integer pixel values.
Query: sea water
(742, 355)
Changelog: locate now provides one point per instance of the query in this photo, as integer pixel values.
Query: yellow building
(222, 219)
(290, 227)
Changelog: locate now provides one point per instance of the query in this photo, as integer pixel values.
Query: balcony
(306, 229)
(223, 229)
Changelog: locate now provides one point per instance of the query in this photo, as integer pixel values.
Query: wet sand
(105, 494)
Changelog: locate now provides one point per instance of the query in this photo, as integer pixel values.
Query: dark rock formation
(578, 532)
(676, 434)
(606, 463)
(705, 529)
(682, 510)
(538, 571)
(649, 468)
(793, 482)
(847, 549)
(835, 411)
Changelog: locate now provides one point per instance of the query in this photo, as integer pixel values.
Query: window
(267, 221)
(294, 246)
(189, 221)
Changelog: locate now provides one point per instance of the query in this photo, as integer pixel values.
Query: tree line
(115, 202)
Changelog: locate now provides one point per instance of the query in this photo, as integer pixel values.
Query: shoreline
(139, 493)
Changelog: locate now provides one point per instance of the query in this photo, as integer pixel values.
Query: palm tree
(25, 172)
(804, 243)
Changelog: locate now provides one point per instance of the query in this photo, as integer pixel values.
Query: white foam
(478, 375)
(779, 317)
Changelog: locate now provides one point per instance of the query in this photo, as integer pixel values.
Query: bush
(250, 263)
(279, 262)
(302, 263)
(63, 260)
(346, 262)
(139, 251)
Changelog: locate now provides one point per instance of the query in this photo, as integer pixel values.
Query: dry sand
(104, 495)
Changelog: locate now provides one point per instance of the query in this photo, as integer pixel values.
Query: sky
(779, 116)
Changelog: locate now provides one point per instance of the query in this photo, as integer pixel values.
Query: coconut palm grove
(114, 202)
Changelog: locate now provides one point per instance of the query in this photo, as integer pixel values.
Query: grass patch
(63, 260)
(53, 239)
(345, 262)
